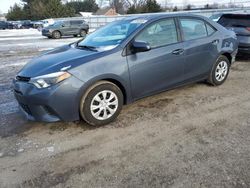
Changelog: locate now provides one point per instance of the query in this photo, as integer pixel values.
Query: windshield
(112, 34)
(58, 23)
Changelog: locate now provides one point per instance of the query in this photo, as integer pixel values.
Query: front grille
(26, 108)
(22, 78)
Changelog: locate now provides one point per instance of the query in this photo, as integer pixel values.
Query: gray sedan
(121, 62)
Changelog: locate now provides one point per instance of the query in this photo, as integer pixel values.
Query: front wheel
(220, 71)
(56, 35)
(101, 104)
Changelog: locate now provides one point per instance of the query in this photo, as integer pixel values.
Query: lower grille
(49, 111)
(22, 78)
(25, 108)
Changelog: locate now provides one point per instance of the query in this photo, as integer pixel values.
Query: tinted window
(159, 34)
(193, 29)
(230, 20)
(76, 22)
(210, 29)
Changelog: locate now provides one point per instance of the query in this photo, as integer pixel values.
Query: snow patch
(51, 149)
(20, 150)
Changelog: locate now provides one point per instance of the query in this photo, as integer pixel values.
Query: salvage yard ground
(195, 136)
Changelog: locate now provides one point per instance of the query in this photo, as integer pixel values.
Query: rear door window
(193, 28)
(76, 22)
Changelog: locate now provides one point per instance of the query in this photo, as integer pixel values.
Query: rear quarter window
(210, 29)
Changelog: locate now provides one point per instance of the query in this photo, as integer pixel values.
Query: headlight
(51, 30)
(47, 80)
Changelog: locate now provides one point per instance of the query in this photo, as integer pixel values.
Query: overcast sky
(5, 4)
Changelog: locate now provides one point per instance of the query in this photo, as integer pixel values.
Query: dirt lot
(196, 136)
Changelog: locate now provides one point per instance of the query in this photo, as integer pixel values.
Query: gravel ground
(194, 136)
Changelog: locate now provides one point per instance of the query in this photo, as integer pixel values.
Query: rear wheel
(101, 104)
(220, 71)
(83, 33)
(56, 35)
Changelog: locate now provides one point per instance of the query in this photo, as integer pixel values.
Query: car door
(162, 66)
(65, 28)
(75, 26)
(200, 46)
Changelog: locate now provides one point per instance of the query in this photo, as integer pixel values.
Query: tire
(220, 71)
(93, 112)
(56, 35)
(83, 33)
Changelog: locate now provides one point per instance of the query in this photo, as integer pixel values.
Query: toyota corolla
(121, 62)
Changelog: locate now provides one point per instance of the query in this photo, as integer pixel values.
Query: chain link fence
(98, 21)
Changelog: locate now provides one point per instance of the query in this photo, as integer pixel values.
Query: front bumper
(46, 33)
(244, 49)
(56, 103)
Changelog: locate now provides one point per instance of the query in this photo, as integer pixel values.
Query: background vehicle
(48, 22)
(26, 24)
(240, 24)
(3, 25)
(38, 25)
(10, 25)
(122, 62)
(66, 28)
(16, 24)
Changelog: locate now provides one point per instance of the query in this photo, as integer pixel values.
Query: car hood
(51, 27)
(62, 58)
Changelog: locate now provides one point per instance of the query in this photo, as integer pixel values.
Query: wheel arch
(57, 31)
(110, 78)
(228, 56)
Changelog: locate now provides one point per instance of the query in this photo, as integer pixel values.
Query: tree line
(42, 9)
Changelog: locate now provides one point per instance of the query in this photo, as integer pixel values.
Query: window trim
(194, 18)
(159, 20)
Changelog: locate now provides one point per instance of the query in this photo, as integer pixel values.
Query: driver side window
(160, 33)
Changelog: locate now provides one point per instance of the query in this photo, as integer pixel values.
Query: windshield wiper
(92, 48)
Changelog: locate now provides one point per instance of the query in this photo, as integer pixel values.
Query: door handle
(215, 41)
(178, 52)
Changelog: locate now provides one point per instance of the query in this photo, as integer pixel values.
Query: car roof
(161, 15)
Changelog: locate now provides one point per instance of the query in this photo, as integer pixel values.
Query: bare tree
(101, 2)
(135, 3)
(119, 5)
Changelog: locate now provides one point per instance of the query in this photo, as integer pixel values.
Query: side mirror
(140, 46)
(63, 25)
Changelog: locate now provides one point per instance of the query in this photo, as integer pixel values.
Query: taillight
(248, 28)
